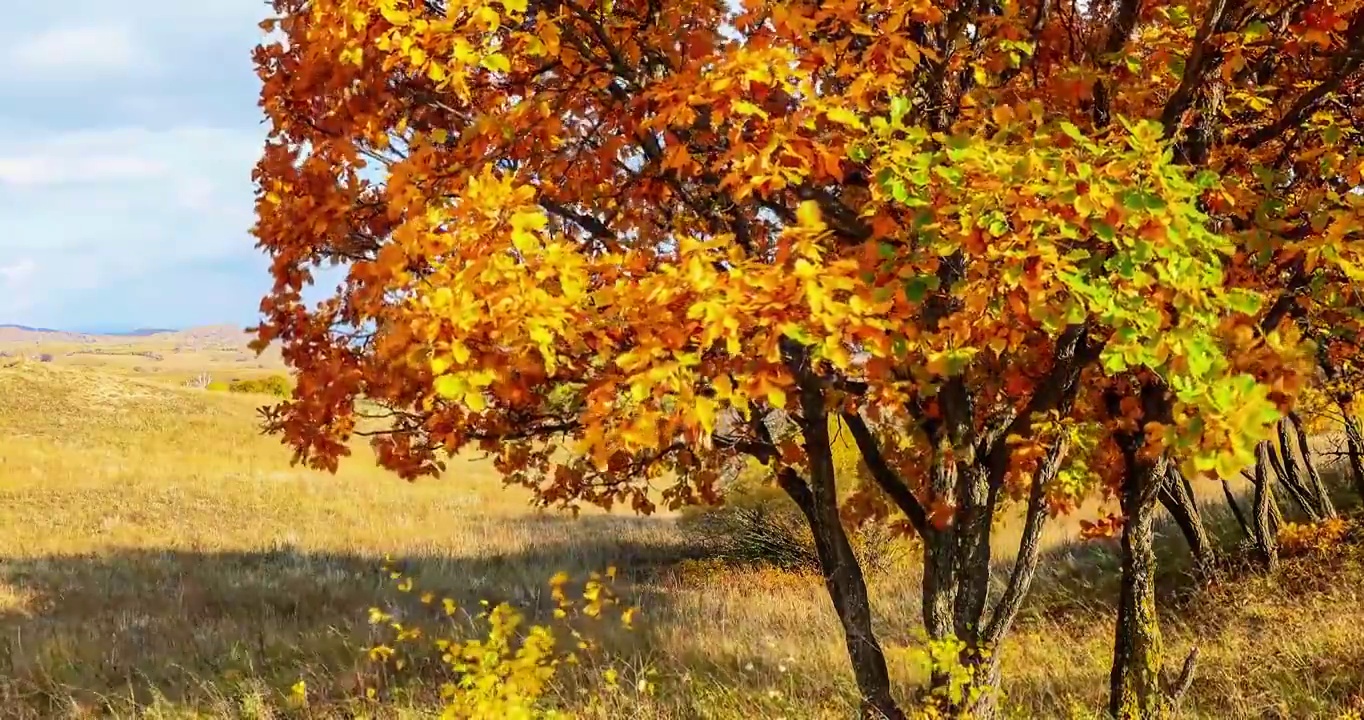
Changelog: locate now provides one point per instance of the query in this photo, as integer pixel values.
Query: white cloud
(80, 49)
(15, 285)
(35, 170)
(92, 208)
(17, 272)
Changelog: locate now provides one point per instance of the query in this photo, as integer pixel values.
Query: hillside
(215, 352)
(157, 552)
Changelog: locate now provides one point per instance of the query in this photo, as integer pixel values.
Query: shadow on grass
(1082, 577)
(129, 627)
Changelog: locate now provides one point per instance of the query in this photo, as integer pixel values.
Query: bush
(217, 386)
(494, 663)
(758, 524)
(277, 385)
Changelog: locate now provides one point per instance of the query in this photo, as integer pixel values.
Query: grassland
(159, 558)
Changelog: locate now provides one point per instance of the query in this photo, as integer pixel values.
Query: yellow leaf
(439, 135)
(518, 6)
(844, 116)
(475, 401)
(743, 107)
(705, 413)
(808, 215)
(460, 352)
(436, 72)
(449, 386)
(441, 363)
(497, 62)
(524, 241)
(393, 15)
(529, 220)
(777, 397)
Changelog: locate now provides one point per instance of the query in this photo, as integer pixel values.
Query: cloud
(80, 50)
(93, 209)
(15, 291)
(128, 132)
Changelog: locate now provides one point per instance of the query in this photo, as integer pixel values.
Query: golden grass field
(159, 558)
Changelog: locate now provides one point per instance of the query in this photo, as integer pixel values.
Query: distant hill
(207, 334)
(143, 332)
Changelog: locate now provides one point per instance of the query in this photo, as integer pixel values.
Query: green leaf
(917, 288)
(1244, 301)
(899, 107)
(1069, 128)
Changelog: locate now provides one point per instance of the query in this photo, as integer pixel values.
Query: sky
(128, 132)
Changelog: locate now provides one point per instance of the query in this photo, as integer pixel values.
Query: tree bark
(1314, 481)
(1177, 497)
(1265, 541)
(1354, 447)
(843, 578)
(1236, 509)
(1354, 437)
(1289, 476)
(1135, 691)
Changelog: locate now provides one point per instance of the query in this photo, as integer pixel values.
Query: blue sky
(128, 132)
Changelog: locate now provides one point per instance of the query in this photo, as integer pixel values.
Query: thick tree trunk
(1315, 485)
(1265, 541)
(1135, 691)
(1177, 497)
(843, 578)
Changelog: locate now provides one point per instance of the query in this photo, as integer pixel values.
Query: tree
(1024, 251)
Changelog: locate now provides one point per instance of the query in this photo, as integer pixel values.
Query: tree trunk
(1314, 481)
(1265, 541)
(1354, 437)
(818, 502)
(1177, 497)
(1135, 691)
(1236, 509)
(1291, 478)
(1354, 444)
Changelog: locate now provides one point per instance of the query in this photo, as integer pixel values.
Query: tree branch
(1029, 545)
(1343, 65)
(885, 477)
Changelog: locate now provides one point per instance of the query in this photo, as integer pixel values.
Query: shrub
(758, 524)
(217, 386)
(1312, 538)
(277, 385)
(508, 668)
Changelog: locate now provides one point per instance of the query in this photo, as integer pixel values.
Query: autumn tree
(1025, 251)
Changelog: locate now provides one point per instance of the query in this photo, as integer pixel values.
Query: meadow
(160, 558)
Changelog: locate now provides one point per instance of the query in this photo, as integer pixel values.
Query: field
(159, 558)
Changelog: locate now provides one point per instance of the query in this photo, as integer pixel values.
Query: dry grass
(159, 557)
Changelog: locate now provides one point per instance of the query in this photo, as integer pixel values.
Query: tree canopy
(1024, 249)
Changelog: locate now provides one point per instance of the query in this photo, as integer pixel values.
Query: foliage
(277, 385)
(1312, 538)
(506, 670)
(622, 246)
